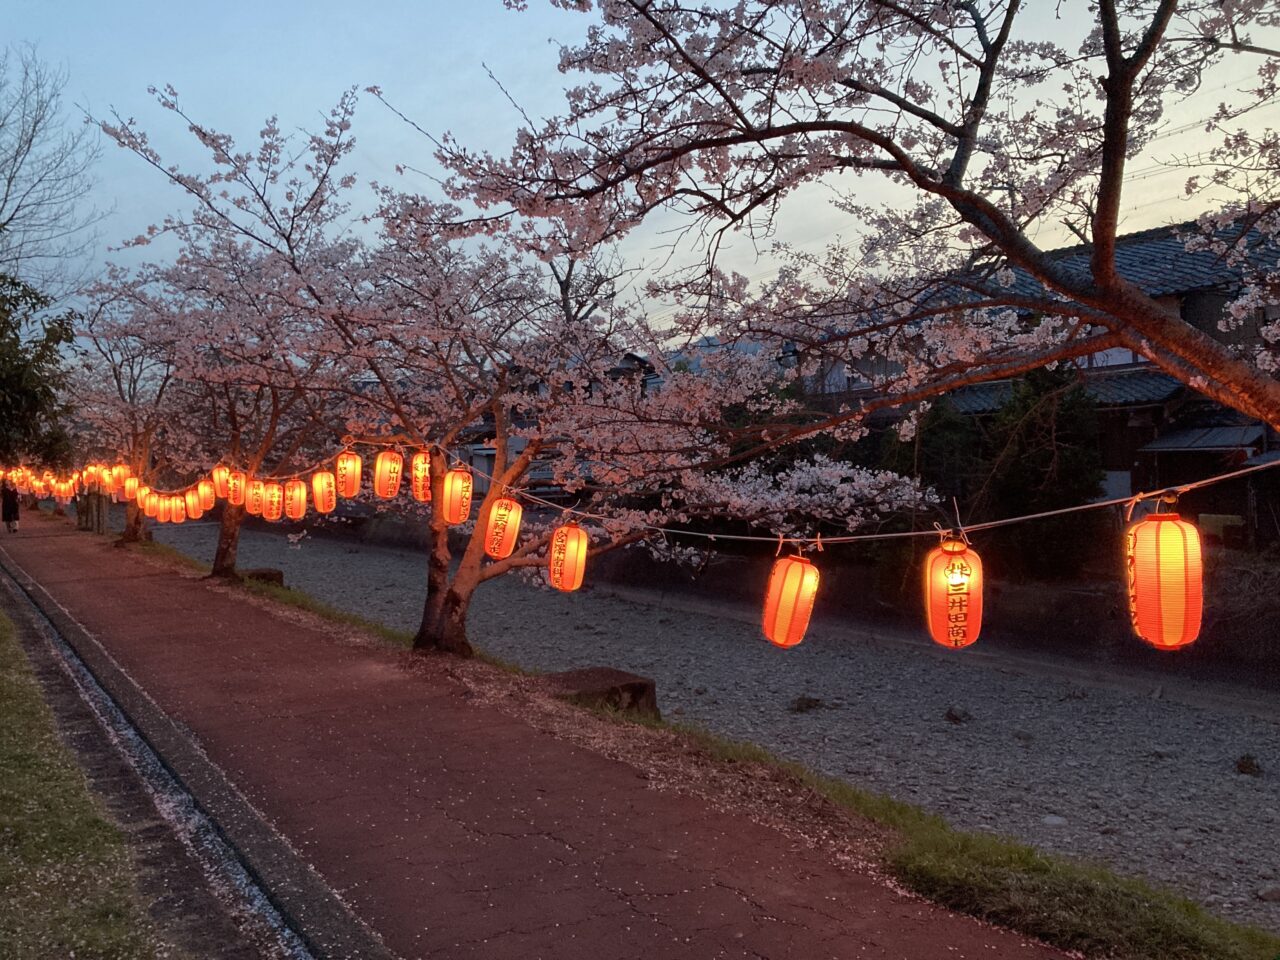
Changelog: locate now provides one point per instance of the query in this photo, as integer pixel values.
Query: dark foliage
(32, 377)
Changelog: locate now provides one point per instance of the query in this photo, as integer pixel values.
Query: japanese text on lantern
(959, 575)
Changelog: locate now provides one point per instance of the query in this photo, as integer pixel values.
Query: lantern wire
(1169, 493)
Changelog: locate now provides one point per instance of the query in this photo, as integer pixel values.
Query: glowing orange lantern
(793, 585)
(191, 501)
(503, 528)
(237, 487)
(420, 476)
(295, 499)
(347, 472)
(324, 491)
(131, 488)
(255, 497)
(221, 480)
(1165, 580)
(164, 508)
(567, 557)
(272, 501)
(388, 468)
(207, 493)
(177, 509)
(953, 593)
(119, 473)
(457, 496)
(151, 503)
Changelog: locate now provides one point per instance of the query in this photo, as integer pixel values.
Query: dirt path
(1140, 774)
(455, 828)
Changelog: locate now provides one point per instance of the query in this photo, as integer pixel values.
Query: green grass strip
(66, 880)
(1067, 903)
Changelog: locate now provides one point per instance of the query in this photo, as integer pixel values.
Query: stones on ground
(1270, 894)
(1248, 764)
(804, 703)
(1164, 753)
(958, 715)
(604, 687)
(1053, 820)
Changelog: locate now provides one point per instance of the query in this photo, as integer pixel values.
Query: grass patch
(66, 881)
(1070, 904)
(162, 551)
(304, 601)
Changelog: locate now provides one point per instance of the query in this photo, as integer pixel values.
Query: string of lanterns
(1163, 552)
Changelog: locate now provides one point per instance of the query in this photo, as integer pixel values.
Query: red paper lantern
(221, 481)
(237, 487)
(347, 473)
(503, 528)
(1165, 579)
(131, 488)
(164, 508)
(788, 603)
(207, 494)
(177, 509)
(295, 499)
(420, 476)
(457, 496)
(388, 469)
(119, 473)
(324, 491)
(953, 593)
(191, 501)
(255, 497)
(567, 557)
(272, 501)
(150, 503)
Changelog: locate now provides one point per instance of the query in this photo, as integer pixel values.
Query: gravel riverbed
(1149, 786)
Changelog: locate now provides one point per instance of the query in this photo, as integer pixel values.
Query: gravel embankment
(1150, 786)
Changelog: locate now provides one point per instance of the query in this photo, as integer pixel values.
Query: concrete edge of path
(324, 923)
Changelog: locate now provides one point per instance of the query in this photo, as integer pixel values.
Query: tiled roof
(1155, 260)
(1108, 388)
(1207, 438)
(1131, 387)
(1158, 262)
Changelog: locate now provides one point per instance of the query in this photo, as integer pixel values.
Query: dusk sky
(236, 64)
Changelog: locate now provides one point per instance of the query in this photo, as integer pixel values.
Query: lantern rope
(1132, 499)
(1130, 502)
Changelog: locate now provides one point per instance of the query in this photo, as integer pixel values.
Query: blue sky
(236, 63)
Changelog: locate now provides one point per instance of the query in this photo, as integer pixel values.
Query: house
(1154, 430)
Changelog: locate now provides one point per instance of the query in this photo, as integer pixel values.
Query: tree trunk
(444, 624)
(134, 529)
(224, 559)
(444, 613)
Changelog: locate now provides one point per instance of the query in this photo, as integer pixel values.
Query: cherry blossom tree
(951, 134)
(122, 384)
(527, 348)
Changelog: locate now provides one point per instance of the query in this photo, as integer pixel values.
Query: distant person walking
(9, 506)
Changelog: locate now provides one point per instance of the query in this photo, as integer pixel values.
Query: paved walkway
(454, 829)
